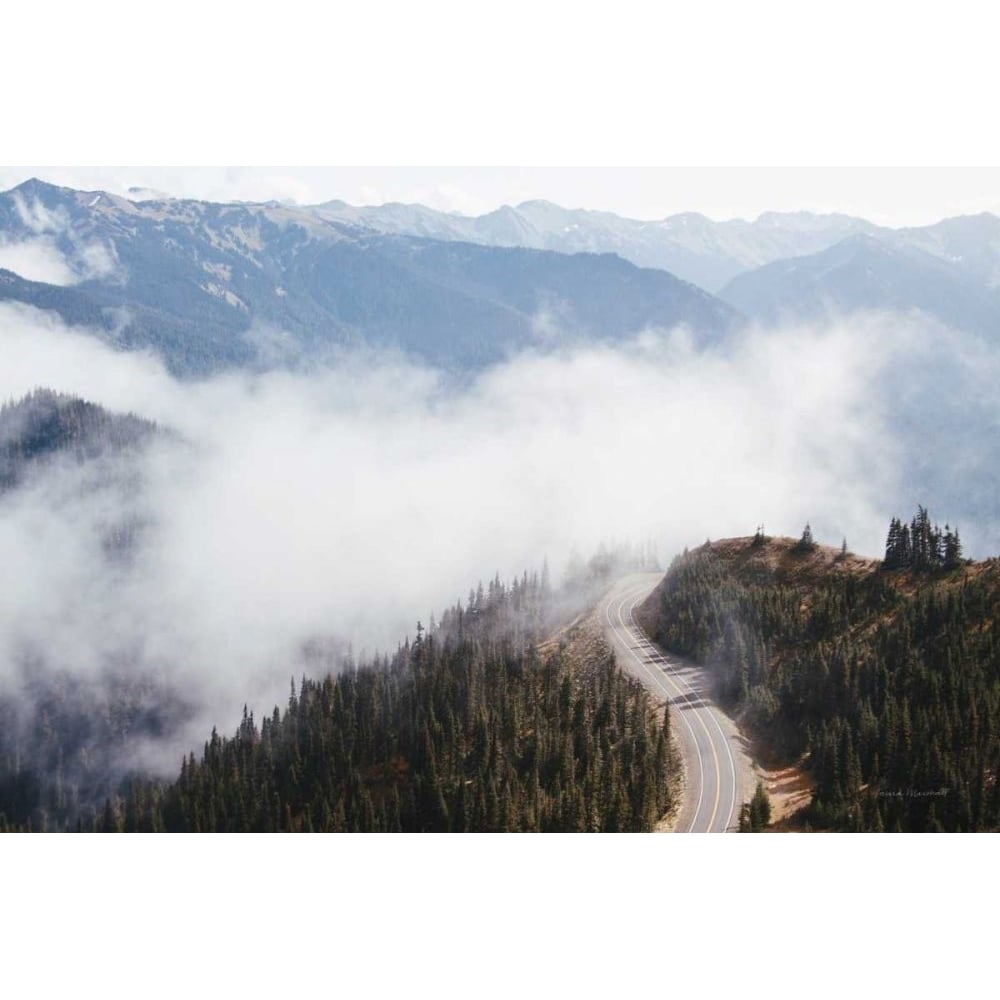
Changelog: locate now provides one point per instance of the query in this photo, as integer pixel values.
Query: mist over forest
(307, 508)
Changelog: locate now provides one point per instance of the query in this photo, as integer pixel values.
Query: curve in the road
(715, 770)
(659, 658)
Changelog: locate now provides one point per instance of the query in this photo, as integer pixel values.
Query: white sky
(721, 82)
(894, 196)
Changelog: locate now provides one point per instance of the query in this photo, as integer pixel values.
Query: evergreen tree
(952, 549)
(806, 542)
(759, 809)
(745, 826)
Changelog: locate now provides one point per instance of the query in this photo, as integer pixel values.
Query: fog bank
(352, 500)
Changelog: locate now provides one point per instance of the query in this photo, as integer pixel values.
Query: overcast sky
(895, 196)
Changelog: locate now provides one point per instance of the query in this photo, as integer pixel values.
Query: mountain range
(689, 245)
(213, 286)
(705, 252)
(791, 265)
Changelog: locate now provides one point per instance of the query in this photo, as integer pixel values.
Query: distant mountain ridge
(739, 260)
(867, 273)
(214, 286)
(970, 242)
(689, 245)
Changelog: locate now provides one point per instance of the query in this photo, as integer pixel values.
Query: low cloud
(354, 499)
(54, 252)
(40, 219)
(552, 322)
(37, 259)
(272, 346)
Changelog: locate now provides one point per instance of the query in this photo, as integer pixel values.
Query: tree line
(921, 546)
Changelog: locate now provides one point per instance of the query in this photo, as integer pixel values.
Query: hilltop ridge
(883, 684)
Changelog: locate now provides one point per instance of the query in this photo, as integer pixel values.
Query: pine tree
(895, 554)
(806, 542)
(952, 549)
(760, 809)
(745, 824)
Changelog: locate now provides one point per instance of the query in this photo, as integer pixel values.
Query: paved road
(717, 769)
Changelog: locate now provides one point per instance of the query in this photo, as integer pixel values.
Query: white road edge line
(642, 642)
(712, 716)
(659, 683)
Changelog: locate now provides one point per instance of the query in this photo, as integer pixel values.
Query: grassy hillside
(885, 682)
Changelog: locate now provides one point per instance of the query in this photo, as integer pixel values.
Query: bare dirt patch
(789, 787)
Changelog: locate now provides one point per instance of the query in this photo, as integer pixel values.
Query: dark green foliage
(464, 729)
(755, 815)
(806, 542)
(921, 546)
(759, 809)
(889, 683)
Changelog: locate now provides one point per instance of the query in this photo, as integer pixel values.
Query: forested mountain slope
(65, 738)
(467, 728)
(45, 425)
(884, 678)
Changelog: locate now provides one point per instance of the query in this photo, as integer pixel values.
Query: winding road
(718, 774)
